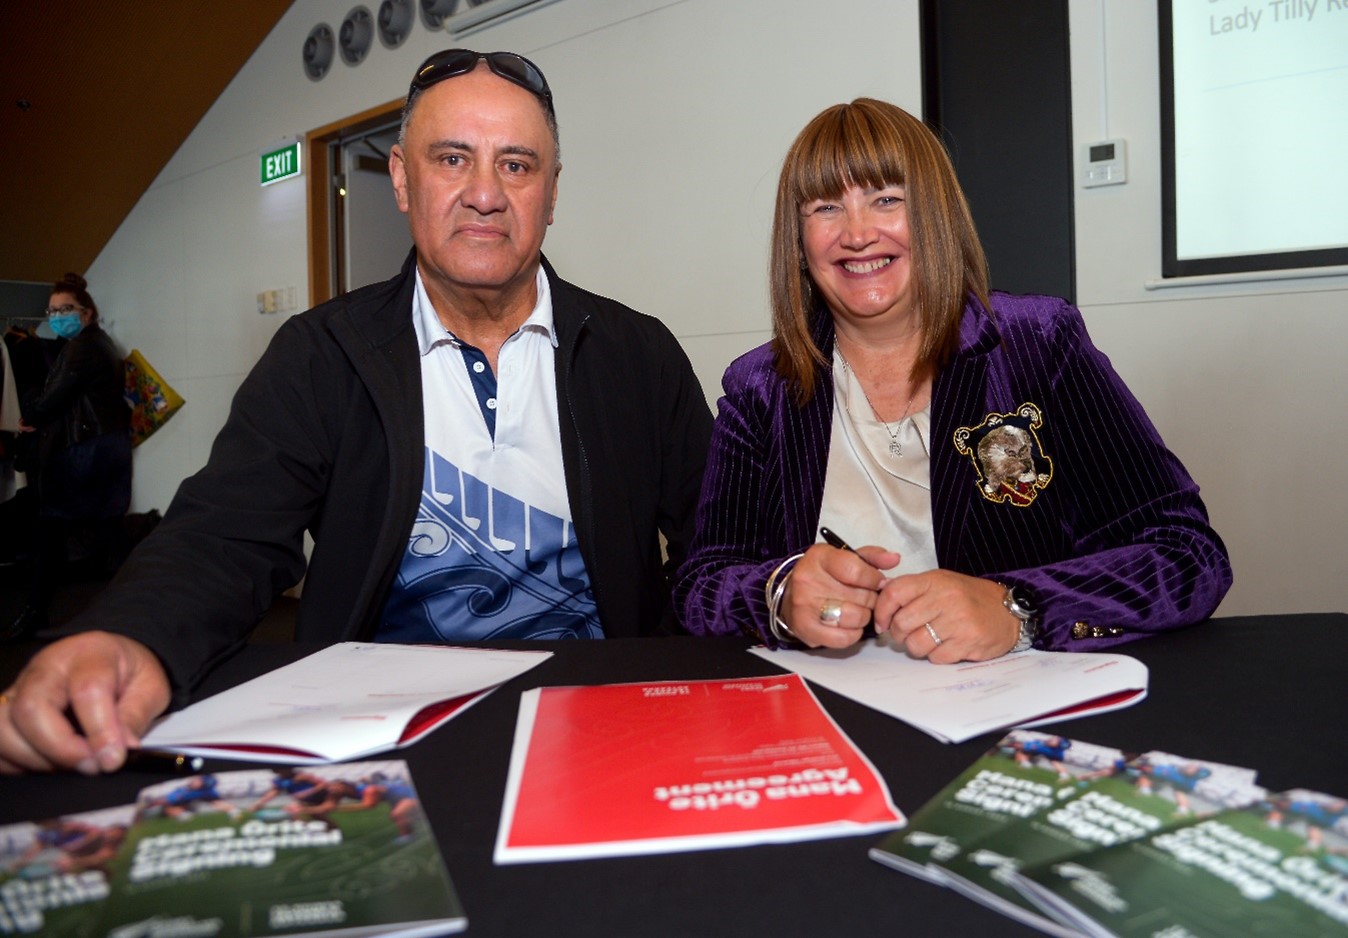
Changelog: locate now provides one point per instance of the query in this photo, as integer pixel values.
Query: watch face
(1023, 607)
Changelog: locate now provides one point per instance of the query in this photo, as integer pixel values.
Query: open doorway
(372, 239)
(356, 233)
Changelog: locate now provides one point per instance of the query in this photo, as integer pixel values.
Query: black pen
(834, 541)
(157, 760)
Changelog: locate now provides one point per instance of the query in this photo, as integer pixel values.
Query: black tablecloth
(1264, 692)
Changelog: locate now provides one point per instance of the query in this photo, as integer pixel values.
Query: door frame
(321, 181)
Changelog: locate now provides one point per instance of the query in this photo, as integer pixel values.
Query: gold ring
(5, 698)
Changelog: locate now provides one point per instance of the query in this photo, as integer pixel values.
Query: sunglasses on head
(513, 68)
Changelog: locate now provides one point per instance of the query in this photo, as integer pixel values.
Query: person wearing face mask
(84, 446)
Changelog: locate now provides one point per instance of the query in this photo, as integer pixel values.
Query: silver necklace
(895, 447)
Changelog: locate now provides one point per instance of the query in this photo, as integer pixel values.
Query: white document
(955, 702)
(348, 701)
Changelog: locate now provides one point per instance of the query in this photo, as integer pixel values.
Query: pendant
(895, 449)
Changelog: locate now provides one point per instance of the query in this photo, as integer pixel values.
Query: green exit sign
(281, 164)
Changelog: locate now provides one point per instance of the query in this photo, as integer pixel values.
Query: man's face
(477, 176)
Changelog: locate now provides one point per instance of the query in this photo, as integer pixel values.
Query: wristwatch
(1019, 604)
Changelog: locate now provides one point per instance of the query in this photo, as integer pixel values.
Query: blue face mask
(65, 325)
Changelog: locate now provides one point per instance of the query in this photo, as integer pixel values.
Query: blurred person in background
(82, 424)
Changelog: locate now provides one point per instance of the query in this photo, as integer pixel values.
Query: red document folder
(625, 769)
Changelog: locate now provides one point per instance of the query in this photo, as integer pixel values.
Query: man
(182, 802)
(404, 808)
(81, 845)
(442, 504)
(305, 789)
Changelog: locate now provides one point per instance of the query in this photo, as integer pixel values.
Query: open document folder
(350, 700)
(955, 702)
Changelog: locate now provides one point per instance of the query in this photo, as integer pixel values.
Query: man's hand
(80, 704)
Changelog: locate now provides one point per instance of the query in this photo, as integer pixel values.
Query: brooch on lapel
(1006, 453)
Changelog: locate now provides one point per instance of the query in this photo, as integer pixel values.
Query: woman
(1012, 490)
(84, 444)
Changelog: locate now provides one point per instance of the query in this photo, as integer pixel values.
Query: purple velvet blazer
(1045, 473)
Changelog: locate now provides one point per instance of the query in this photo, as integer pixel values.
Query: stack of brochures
(1074, 838)
(339, 850)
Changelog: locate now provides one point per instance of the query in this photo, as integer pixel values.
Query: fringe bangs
(846, 147)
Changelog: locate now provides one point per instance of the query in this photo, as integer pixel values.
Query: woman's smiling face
(857, 250)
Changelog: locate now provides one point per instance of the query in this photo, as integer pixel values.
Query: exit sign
(281, 164)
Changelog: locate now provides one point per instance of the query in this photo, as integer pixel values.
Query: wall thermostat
(1106, 164)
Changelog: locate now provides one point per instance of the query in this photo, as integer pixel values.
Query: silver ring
(830, 613)
(932, 632)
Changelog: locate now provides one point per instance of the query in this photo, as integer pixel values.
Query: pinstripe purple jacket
(1100, 521)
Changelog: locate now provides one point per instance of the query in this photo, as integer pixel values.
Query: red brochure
(621, 769)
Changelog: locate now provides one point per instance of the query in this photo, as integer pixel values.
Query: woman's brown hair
(873, 144)
(77, 287)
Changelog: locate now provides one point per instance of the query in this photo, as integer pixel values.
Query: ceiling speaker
(433, 12)
(356, 35)
(317, 52)
(395, 22)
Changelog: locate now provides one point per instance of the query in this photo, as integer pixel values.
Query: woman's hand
(947, 617)
(828, 580)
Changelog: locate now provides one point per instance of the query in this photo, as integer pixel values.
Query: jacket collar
(568, 318)
(381, 313)
(978, 332)
(960, 390)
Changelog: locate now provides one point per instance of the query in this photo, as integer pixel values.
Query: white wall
(675, 115)
(1244, 380)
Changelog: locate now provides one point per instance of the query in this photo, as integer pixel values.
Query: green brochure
(54, 873)
(338, 850)
(1125, 802)
(1023, 775)
(1277, 867)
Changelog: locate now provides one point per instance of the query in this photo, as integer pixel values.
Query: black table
(1265, 692)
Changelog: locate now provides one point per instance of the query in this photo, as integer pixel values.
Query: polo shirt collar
(432, 333)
